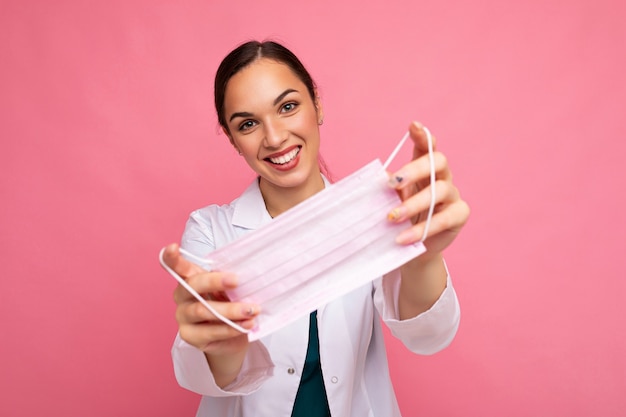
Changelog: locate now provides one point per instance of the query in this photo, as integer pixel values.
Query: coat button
(334, 380)
(291, 371)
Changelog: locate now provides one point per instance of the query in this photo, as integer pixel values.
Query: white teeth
(283, 159)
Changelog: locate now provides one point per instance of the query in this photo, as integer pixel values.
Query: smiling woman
(273, 122)
(332, 362)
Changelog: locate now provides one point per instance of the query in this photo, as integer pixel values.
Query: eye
(246, 125)
(288, 107)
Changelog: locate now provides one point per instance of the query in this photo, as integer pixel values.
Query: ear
(318, 108)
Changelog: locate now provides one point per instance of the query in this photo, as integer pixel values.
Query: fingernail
(229, 280)
(418, 125)
(406, 237)
(395, 180)
(396, 215)
(249, 311)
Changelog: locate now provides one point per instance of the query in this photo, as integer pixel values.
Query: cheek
(308, 122)
(248, 150)
(248, 143)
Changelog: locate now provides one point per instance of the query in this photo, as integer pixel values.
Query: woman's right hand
(223, 346)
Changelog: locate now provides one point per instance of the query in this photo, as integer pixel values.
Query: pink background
(109, 140)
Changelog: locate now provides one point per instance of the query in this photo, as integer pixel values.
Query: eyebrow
(283, 94)
(276, 101)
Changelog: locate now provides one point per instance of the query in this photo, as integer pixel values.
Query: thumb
(419, 136)
(173, 259)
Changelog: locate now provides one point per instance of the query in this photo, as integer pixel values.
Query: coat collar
(250, 211)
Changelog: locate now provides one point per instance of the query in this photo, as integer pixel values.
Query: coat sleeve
(193, 373)
(190, 365)
(428, 332)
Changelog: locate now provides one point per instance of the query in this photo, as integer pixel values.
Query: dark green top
(311, 400)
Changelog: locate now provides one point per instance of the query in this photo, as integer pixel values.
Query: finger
(180, 265)
(445, 193)
(418, 171)
(420, 139)
(203, 335)
(205, 283)
(226, 346)
(450, 220)
(196, 312)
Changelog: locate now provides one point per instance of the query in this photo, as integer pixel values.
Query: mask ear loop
(193, 292)
(431, 160)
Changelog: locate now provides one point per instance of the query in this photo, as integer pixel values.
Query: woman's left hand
(412, 182)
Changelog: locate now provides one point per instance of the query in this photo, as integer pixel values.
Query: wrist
(423, 282)
(225, 367)
(427, 264)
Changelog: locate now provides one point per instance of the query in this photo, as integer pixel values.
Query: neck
(280, 199)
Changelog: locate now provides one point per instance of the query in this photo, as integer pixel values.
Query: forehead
(260, 82)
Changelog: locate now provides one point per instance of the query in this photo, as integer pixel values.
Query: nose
(275, 134)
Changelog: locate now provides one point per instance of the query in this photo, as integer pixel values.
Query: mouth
(284, 158)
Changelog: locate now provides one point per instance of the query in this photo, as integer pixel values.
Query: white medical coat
(352, 349)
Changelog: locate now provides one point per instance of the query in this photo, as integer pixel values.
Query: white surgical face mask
(330, 244)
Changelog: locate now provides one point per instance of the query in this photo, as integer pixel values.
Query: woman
(333, 362)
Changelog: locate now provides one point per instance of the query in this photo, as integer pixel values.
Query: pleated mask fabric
(332, 243)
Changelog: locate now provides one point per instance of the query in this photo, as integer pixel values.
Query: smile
(286, 158)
